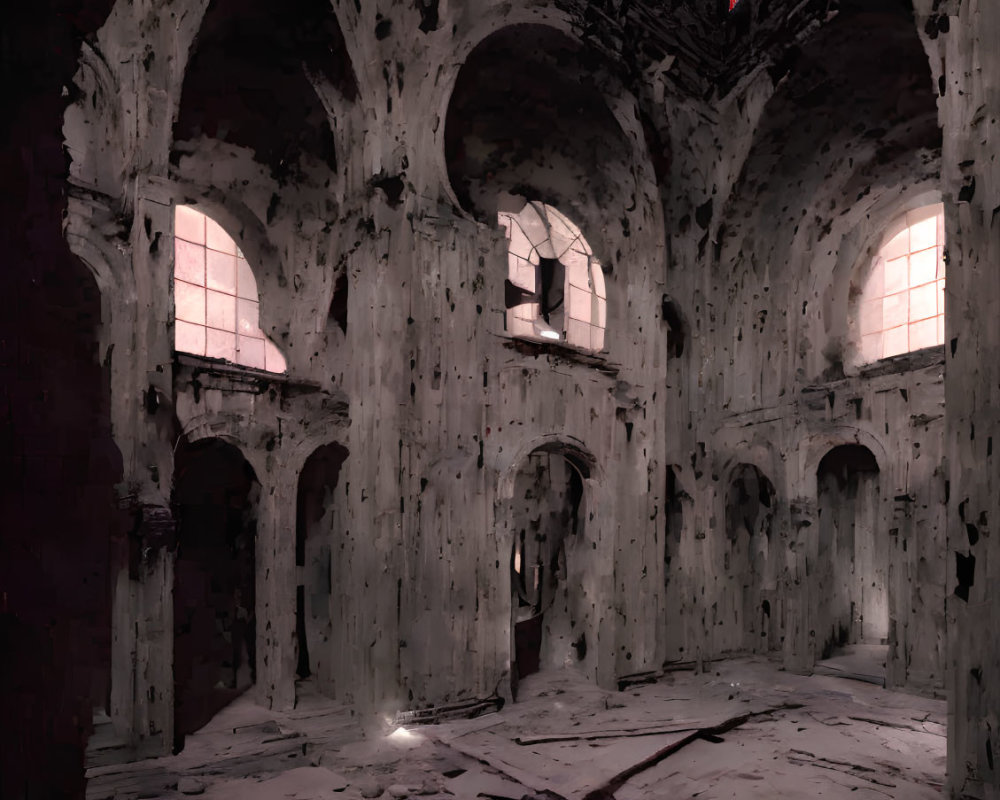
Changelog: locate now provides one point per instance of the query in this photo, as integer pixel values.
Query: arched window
(216, 306)
(555, 286)
(902, 303)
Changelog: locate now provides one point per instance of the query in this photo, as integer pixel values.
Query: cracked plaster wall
(432, 403)
(777, 197)
(771, 198)
(961, 38)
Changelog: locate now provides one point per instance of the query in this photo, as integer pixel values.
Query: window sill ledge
(559, 353)
(212, 373)
(904, 362)
(894, 365)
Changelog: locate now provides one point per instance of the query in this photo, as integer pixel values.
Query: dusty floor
(847, 739)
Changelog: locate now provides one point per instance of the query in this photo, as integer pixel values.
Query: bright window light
(554, 274)
(216, 306)
(902, 303)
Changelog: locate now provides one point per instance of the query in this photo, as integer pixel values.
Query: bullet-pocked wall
(789, 183)
(958, 36)
(368, 221)
(734, 174)
(579, 148)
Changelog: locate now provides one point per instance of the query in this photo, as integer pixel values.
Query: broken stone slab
(268, 728)
(466, 709)
(189, 785)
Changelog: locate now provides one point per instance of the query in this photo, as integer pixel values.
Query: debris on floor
(745, 729)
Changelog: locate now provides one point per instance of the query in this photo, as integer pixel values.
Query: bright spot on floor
(403, 735)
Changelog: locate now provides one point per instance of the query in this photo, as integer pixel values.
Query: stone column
(965, 50)
(274, 557)
(800, 638)
(142, 650)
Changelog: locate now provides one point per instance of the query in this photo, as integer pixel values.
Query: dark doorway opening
(313, 537)
(749, 563)
(853, 564)
(215, 501)
(547, 518)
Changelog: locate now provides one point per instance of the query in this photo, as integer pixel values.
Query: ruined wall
(385, 295)
(779, 194)
(961, 36)
(734, 224)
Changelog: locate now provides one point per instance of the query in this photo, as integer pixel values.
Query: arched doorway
(215, 500)
(852, 555)
(313, 523)
(547, 516)
(749, 564)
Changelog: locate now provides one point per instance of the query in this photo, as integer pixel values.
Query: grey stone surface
(744, 173)
(189, 785)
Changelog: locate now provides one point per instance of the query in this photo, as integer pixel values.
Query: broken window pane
(902, 306)
(551, 262)
(216, 307)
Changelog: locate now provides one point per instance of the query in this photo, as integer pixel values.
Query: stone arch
(96, 137)
(882, 220)
(215, 498)
(109, 267)
(507, 464)
(863, 80)
(750, 556)
(224, 428)
(579, 185)
(542, 521)
(757, 452)
(286, 50)
(857, 96)
(852, 549)
(814, 448)
(95, 253)
(490, 23)
(217, 300)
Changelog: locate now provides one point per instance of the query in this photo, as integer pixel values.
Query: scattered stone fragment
(189, 785)
(370, 788)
